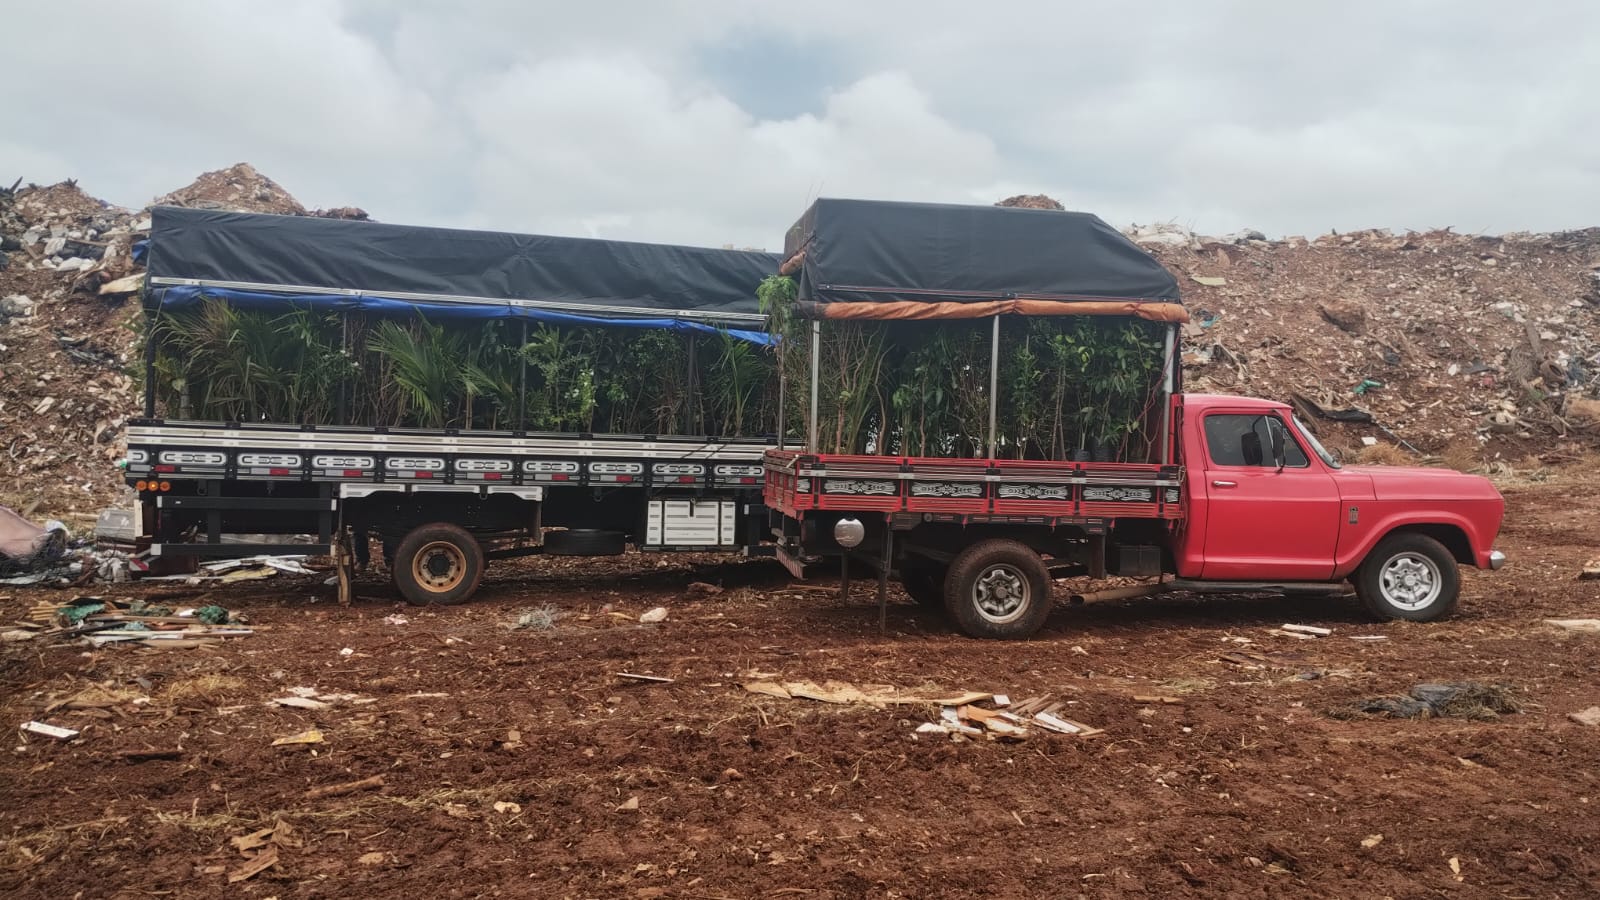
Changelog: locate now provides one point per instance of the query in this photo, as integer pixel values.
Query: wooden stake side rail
(797, 483)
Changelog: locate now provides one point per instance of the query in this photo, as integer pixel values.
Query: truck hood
(1408, 483)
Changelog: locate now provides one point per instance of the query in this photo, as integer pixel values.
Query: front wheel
(998, 589)
(1409, 576)
(437, 563)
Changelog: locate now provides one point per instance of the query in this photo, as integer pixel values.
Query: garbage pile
(1438, 343)
(69, 331)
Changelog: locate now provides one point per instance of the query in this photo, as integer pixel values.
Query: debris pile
(1444, 344)
(238, 188)
(69, 332)
(100, 621)
(1465, 700)
(961, 716)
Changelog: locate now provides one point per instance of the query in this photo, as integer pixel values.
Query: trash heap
(69, 332)
(1464, 346)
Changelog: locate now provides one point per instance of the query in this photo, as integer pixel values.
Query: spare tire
(585, 542)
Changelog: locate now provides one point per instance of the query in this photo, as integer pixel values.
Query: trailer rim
(439, 566)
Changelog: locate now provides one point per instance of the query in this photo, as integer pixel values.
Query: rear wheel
(437, 563)
(998, 589)
(1409, 576)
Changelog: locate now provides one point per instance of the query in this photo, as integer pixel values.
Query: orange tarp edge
(904, 309)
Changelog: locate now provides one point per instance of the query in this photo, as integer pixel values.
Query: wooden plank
(339, 790)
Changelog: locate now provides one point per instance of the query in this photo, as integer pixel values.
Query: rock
(32, 236)
(352, 213)
(1582, 411)
(1590, 716)
(654, 616)
(1590, 571)
(1163, 235)
(1247, 234)
(1345, 314)
(16, 306)
(55, 245)
(125, 285)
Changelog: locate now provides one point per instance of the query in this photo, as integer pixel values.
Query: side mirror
(1279, 452)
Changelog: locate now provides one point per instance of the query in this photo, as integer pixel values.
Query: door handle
(1224, 484)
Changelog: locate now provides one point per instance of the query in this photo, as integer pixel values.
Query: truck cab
(1266, 502)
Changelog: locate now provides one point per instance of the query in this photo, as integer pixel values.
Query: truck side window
(1236, 440)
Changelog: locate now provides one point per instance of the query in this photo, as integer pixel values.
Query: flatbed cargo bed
(972, 490)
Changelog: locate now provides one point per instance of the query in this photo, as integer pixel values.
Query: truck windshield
(1316, 445)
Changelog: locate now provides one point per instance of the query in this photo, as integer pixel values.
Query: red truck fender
(1456, 531)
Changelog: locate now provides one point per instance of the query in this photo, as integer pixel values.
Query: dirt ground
(1247, 786)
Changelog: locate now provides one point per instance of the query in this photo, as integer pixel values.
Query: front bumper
(1496, 559)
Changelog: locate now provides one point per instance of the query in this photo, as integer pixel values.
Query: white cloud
(610, 118)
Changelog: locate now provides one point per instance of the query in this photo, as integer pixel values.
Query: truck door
(1263, 524)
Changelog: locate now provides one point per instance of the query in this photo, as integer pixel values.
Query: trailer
(1199, 493)
(239, 441)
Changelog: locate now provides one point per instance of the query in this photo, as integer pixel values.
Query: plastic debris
(212, 615)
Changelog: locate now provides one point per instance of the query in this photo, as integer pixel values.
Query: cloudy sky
(715, 121)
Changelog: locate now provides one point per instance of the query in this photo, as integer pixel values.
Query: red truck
(1235, 495)
(1252, 502)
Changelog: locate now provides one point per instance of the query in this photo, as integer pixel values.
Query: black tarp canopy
(260, 259)
(871, 259)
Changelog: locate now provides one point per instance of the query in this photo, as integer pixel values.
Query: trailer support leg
(883, 579)
(342, 562)
(844, 576)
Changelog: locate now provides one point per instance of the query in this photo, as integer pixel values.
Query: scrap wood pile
(961, 716)
(100, 621)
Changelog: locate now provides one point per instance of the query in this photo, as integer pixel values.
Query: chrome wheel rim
(1001, 594)
(1410, 581)
(439, 566)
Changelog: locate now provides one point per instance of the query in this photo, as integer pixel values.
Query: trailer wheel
(924, 584)
(998, 589)
(1409, 576)
(437, 563)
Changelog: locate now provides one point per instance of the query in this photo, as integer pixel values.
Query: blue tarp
(185, 296)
